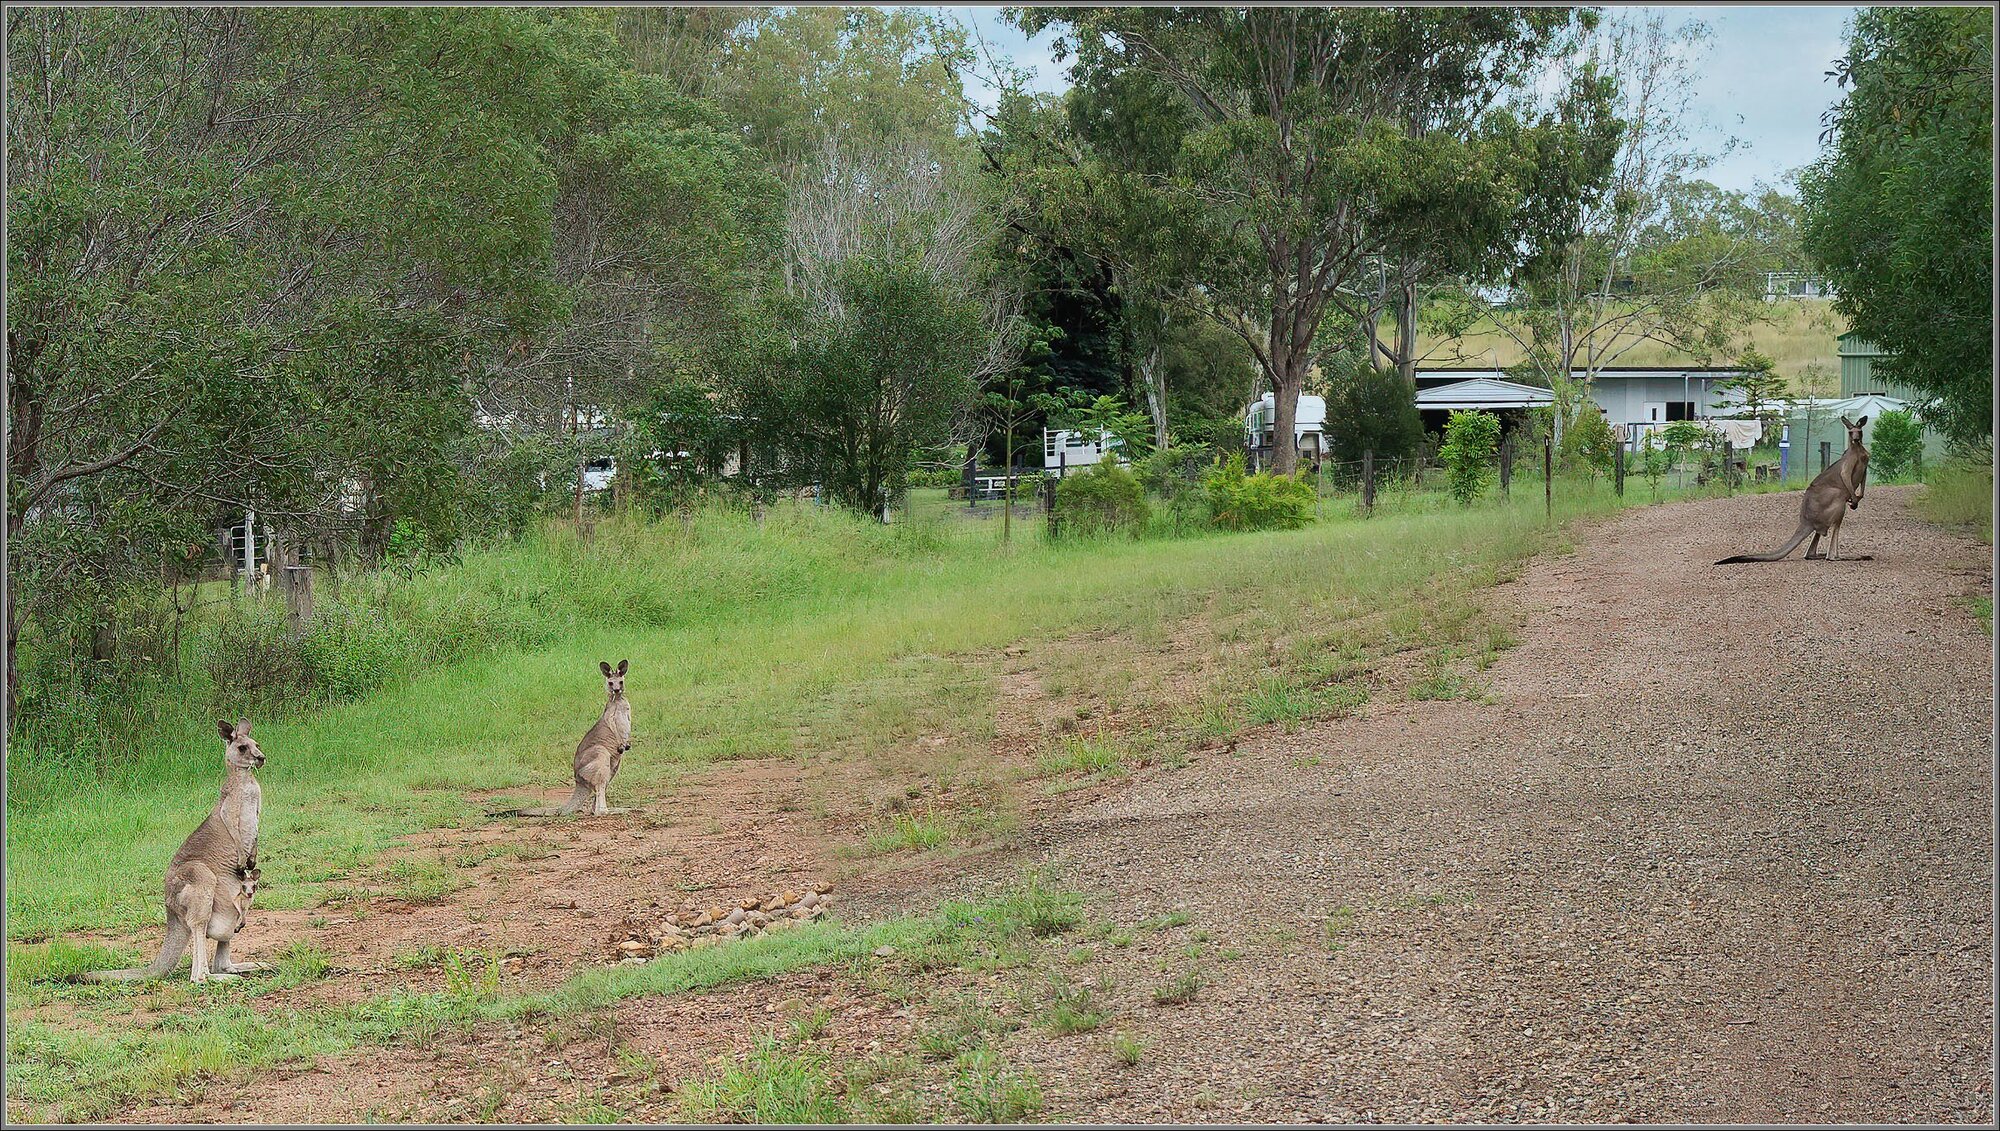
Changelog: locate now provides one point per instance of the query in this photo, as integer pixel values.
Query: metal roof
(1484, 392)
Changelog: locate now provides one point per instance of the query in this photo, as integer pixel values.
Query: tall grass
(1960, 493)
(811, 632)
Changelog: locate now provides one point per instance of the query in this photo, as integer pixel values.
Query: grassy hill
(1800, 333)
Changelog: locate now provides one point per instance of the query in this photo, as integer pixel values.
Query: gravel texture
(1717, 848)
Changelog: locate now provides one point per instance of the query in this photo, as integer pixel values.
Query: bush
(1588, 445)
(1899, 445)
(1104, 500)
(1471, 439)
(1174, 476)
(946, 477)
(1372, 409)
(1265, 501)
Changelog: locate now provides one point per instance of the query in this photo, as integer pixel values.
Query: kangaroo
(598, 756)
(1839, 487)
(211, 879)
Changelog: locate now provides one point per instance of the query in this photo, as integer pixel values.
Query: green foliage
(1175, 114)
(1471, 441)
(1588, 445)
(935, 478)
(1684, 436)
(1264, 501)
(1174, 475)
(897, 337)
(1758, 388)
(1370, 409)
(1105, 499)
(1897, 445)
(1899, 207)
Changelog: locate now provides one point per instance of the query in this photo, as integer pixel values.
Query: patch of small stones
(695, 928)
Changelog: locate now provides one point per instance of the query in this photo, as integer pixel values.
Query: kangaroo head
(1854, 428)
(614, 679)
(238, 748)
(248, 880)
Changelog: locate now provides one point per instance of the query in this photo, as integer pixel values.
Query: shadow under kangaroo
(211, 879)
(598, 756)
(1831, 494)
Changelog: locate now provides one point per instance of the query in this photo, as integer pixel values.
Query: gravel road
(1717, 848)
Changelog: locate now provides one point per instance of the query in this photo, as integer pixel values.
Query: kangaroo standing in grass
(1837, 489)
(211, 879)
(598, 755)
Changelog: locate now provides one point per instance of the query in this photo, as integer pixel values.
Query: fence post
(1506, 466)
(1548, 477)
(1368, 480)
(1618, 468)
(298, 597)
(1054, 521)
(1825, 447)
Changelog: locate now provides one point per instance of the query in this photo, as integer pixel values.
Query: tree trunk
(1007, 492)
(1406, 332)
(1152, 377)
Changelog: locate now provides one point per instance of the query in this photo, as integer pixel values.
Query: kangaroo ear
(1861, 423)
(621, 667)
(1847, 422)
(605, 667)
(223, 726)
(242, 728)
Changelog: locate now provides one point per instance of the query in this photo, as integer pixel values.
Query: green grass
(809, 633)
(65, 1072)
(1960, 494)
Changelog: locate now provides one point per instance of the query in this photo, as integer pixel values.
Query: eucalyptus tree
(1898, 209)
(1290, 131)
(273, 258)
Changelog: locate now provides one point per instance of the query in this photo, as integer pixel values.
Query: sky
(1762, 79)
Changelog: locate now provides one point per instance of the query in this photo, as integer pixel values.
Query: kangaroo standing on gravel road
(598, 755)
(1838, 488)
(210, 880)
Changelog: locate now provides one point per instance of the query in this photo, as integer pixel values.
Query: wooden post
(298, 598)
(1825, 452)
(1054, 519)
(1368, 480)
(1548, 477)
(1506, 466)
(1618, 468)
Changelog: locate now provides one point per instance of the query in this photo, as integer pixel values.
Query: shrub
(1103, 500)
(1265, 501)
(1470, 441)
(1174, 476)
(1898, 447)
(1588, 445)
(946, 477)
(1375, 410)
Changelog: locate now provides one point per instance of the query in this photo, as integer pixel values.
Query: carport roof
(1484, 392)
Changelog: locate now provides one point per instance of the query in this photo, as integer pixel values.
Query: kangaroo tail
(1805, 529)
(170, 953)
(577, 800)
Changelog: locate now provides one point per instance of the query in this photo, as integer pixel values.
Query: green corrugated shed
(1858, 378)
(1857, 370)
